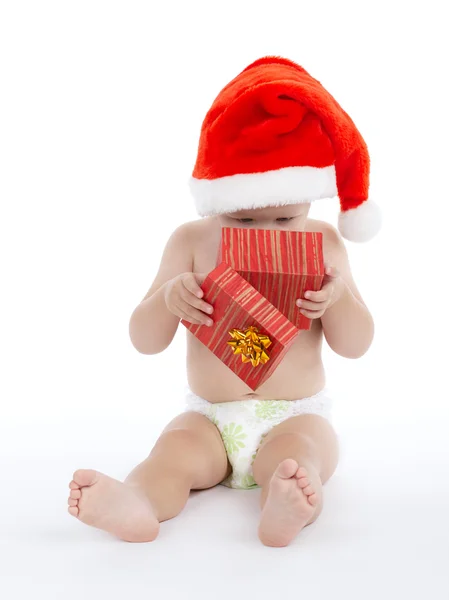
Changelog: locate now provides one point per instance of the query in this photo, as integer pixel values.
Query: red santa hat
(274, 136)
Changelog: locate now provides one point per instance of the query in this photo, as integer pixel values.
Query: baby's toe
(75, 494)
(73, 485)
(72, 502)
(74, 510)
(286, 469)
(312, 499)
(85, 477)
(301, 472)
(308, 490)
(303, 482)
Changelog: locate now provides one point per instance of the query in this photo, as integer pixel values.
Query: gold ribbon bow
(250, 344)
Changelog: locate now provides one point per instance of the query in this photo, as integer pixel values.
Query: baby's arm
(347, 323)
(152, 326)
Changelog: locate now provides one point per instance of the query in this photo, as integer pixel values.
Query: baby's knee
(177, 438)
(291, 441)
(180, 444)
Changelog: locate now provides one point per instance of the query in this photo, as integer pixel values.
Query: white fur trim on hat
(360, 224)
(290, 185)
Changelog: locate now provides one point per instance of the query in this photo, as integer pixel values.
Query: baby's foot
(290, 504)
(108, 504)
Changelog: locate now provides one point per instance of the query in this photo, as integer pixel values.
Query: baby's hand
(318, 302)
(183, 298)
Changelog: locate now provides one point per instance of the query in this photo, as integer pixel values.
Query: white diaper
(244, 423)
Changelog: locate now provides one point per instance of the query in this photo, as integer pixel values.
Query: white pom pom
(362, 223)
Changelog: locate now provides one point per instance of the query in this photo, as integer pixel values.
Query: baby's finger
(331, 272)
(196, 302)
(311, 305)
(321, 295)
(193, 313)
(185, 317)
(190, 283)
(312, 314)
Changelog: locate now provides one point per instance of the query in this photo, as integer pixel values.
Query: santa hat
(274, 136)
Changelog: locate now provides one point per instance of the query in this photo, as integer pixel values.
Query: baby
(273, 141)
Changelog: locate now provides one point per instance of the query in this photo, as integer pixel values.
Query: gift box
(281, 265)
(249, 335)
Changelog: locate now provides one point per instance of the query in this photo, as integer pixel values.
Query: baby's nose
(269, 225)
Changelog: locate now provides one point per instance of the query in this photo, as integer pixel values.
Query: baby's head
(275, 137)
(291, 216)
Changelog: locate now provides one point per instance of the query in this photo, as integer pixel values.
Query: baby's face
(279, 217)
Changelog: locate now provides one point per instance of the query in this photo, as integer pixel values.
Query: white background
(101, 105)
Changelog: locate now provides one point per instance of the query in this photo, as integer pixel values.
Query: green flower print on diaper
(233, 435)
(213, 416)
(247, 482)
(268, 409)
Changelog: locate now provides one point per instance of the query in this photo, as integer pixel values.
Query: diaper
(243, 424)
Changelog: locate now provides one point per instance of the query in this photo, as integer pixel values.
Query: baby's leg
(188, 455)
(295, 459)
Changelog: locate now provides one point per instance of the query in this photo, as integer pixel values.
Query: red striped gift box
(237, 305)
(281, 265)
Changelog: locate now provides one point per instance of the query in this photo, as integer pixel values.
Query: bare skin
(297, 457)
